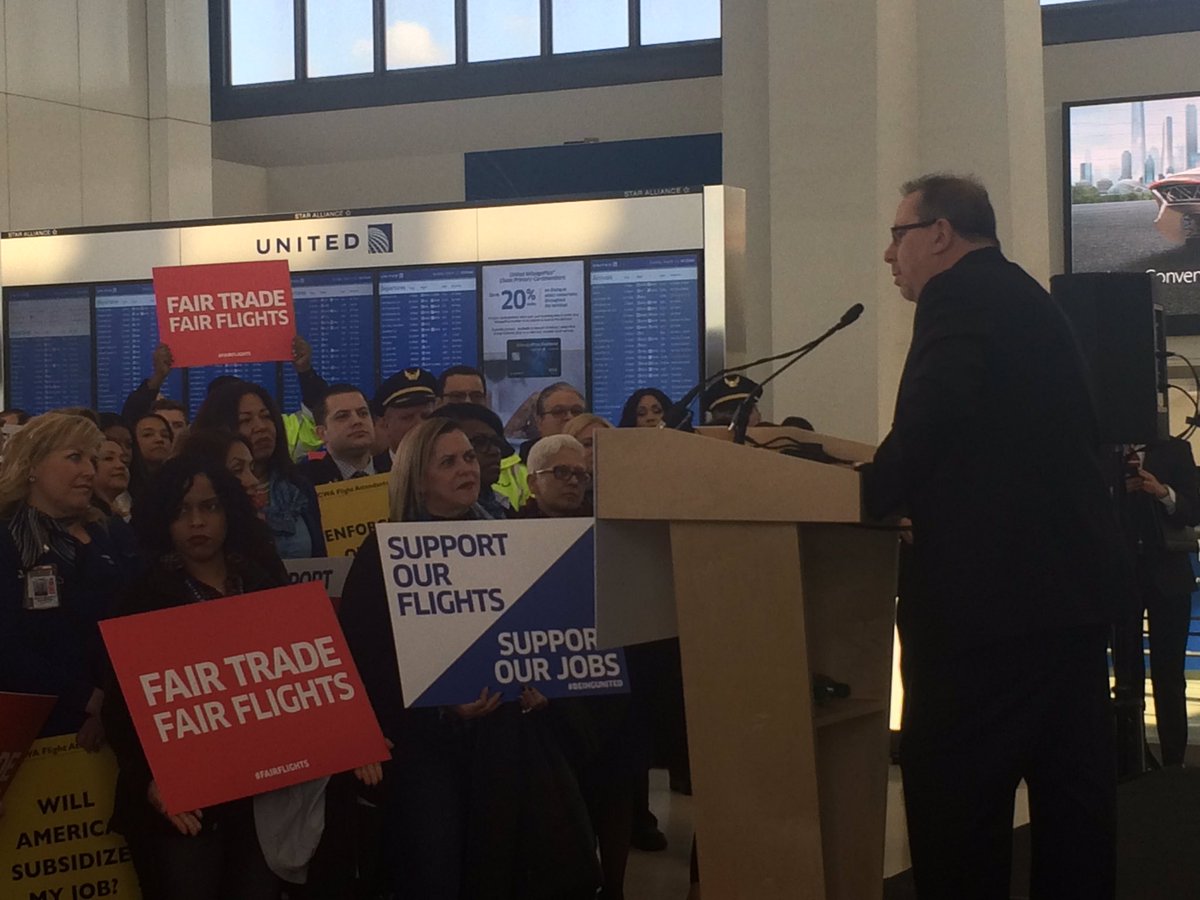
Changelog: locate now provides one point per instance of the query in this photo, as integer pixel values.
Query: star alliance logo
(379, 238)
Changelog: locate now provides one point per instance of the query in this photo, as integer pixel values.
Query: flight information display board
(609, 325)
(335, 313)
(645, 328)
(49, 348)
(429, 318)
(126, 335)
(198, 378)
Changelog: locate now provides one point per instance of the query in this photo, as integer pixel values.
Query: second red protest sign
(243, 695)
(226, 312)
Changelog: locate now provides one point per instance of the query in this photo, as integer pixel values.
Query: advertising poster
(226, 312)
(243, 695)
(329, 572)
(1135, 194)
(21, 718)
(498, 605)
(533, 330)
(54, 831)
(350, 510)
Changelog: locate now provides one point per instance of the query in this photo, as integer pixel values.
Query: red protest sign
(226, 312)
(243, 695)
(21, 718)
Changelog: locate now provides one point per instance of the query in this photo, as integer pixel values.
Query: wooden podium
(762, 561)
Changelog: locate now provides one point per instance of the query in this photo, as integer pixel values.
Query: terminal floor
(1157, 847)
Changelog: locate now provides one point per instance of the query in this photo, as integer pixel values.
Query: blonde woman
(479, 800)
(435, 477)
(583, 428)
(59, 572)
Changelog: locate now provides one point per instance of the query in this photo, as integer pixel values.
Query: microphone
(741, 415)
(849, 317)
(678, 415)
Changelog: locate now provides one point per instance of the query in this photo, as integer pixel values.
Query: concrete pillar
(180, 109)
(745, 120)
(860, 97)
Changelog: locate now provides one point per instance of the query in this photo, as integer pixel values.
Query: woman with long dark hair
(645, 408)
(205, 541)
(231, 451)
(152, 443)
(291, 509)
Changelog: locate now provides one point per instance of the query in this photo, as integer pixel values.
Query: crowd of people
(110, 514)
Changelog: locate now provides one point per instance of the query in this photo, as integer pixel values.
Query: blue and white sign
(496, 604)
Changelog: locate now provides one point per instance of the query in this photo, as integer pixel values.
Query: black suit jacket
(993, 454)
(326, 471)
(1144, 517)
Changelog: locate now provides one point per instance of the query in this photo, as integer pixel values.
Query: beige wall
(103, 112)
(412, 154)
(239, 190)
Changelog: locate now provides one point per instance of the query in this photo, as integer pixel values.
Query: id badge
(41, 588)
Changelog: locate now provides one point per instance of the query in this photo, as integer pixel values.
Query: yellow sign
(349, 511)
(54, 836)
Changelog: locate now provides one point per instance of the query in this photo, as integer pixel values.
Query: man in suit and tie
(1017, 561)
(346, 427)
(1162, 498)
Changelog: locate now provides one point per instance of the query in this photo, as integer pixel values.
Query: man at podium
(1017, 565)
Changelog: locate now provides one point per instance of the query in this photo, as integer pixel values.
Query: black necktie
(359, 473)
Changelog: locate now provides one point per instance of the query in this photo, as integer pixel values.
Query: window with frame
(273, 57)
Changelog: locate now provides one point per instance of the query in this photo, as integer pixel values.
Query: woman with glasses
(553, 410)
(560, 470)
(556, 406)
(559, 475)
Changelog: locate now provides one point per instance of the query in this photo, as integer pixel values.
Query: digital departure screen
(126, 335)
(49, 348)
(645, 328)
(198, 378)
(428, 318)
(335, 313)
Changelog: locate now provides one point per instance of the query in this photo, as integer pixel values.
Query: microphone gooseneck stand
(741, 415)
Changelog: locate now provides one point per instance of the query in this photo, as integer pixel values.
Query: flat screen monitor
(126, 335)
(645, 327)
(49, 348)
(1133, 195)
(335, 313)
(428, 317)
